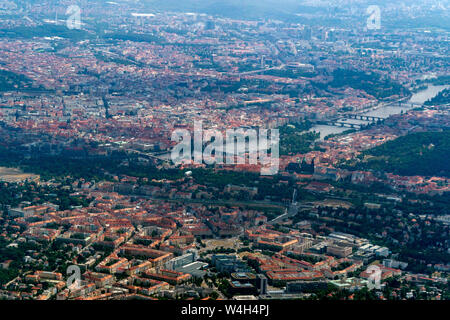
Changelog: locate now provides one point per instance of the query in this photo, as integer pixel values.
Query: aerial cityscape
(224, 150)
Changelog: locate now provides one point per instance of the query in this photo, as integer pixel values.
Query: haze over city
(224, 151)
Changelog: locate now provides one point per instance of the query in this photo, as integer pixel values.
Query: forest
(423, 153)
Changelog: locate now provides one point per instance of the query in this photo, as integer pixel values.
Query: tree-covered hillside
(424, 153)
(441, 98)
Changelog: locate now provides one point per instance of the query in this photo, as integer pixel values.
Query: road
(260, 70)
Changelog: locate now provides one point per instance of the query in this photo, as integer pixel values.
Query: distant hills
(235, 8)
(322, 12)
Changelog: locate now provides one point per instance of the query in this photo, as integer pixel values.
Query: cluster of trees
(46, 30)
(424, 153)
(294, 139)
(442, 97)
(221, 250)
(12, 194)
(84, 166)
(52, 30)
(332, 135)
(135, 37)
(12, 81)
(287, 73)
(68, 168)
(297, 143)
(370, 82)
(16, 255)
(222, 178)
(341, 266)
(304, 257)
(334, 293)
(127, 61)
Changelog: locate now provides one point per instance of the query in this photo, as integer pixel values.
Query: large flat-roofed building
(195, 269)
(112, 264)
(82, 238)
(246, 288)
(157, 257)
(100, 279)
(275, 245)
(305, 286)
(169, 276)
(262, 284)
(339, 251)
(229, 264)
(283, 277)
(259, 282)
(383, 252)
(180, 261)
(147, 286)
(243, 277)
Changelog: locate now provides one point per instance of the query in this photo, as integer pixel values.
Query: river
(383, 112)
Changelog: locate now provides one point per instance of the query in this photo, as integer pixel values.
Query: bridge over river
(365, 116)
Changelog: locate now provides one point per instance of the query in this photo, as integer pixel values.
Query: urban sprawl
(92, 207)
